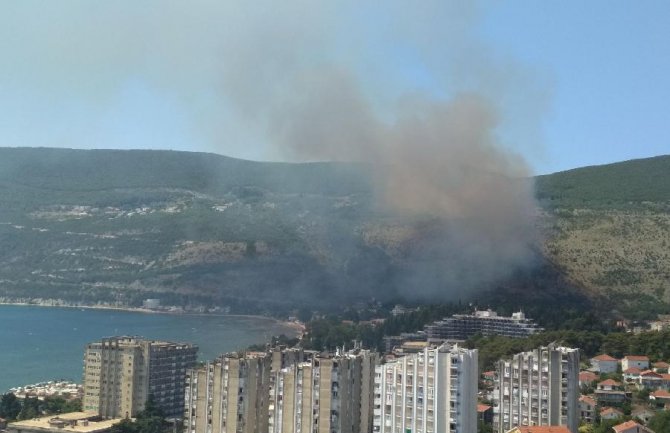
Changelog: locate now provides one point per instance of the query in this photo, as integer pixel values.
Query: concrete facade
(427, 392)
(539, 387)
(229, 395)
(120, 373)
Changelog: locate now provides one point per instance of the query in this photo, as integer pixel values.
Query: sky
(571, 83)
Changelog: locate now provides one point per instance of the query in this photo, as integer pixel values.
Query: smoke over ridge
(406, 86)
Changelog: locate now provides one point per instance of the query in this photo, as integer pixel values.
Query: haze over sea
(45, 343)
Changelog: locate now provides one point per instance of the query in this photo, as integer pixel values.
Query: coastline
(297, 327)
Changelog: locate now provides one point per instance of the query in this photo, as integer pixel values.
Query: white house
(604, 364)
(637, 361)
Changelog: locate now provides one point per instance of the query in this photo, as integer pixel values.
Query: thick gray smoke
(405, 85)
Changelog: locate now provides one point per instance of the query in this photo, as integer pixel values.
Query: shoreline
(297, 327)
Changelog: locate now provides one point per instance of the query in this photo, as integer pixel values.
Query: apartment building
(460, 327)
(326, 394)
(120, 373)
(539, 387)
(427, 392)
(230, 394)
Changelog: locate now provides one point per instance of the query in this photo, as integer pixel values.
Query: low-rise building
(75, 422)
(643, 414)
(604, 364)
(485, 413)
(632, 374)
(540, 429)
(638, 361)
(610, 413)
(660, 367)
(652, 380)
(460, 327)
(660, 398)
(587, 378)
(631, 427)
(587, 408)
(609, 392)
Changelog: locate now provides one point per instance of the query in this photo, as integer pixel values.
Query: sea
(39, 344)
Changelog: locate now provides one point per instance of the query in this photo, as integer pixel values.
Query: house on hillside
(587, 408)
(485, 413)
(540, 429)
(632, 374)
(660, 398)
(643, 414)
(652, 380)
(604, 364)
(660, 367)
(638, 361)
(609, 391)
(631, 427)
(587, 378)
(610, 413)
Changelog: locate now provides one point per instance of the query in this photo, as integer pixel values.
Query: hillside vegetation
(608, 229)
(192, 228)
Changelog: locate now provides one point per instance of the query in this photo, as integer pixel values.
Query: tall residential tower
(121, 373)
(433, 391)
(539, 387)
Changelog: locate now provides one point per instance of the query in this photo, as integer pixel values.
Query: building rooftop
(660, 364)
(610, 410)
(636, 358)
(604, 357)
(69, 422)
(610, 382)
(588, 400)
(630, 425)
(483, 407)
(540, 429)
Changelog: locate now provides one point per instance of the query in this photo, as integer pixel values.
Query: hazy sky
(572, 83)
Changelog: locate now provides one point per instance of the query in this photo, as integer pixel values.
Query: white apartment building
(433, 391)
(229, 395)
(540, 387)
(326, 394)
(121, 373)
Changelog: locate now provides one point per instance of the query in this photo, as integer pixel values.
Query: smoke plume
(409, 87)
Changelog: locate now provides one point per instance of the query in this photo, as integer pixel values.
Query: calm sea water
(42, 343)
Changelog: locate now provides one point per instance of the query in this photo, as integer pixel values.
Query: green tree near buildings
(660, 423)
(150, 420)
(10, 407)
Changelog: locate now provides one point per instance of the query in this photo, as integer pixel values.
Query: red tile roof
(542, 429)
(650, 373)
(660, 364)
(632, 370)
(587, 375)
(588, 400)
(636, 358)
(661, 393)
(609, 382)
(604, 357)
(628, 425)
(609, 410)
(483, 407)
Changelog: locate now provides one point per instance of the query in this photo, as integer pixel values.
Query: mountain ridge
(120, 225)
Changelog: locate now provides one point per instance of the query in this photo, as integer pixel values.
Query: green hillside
(628, 184)
(193, 228)
(608, 229)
